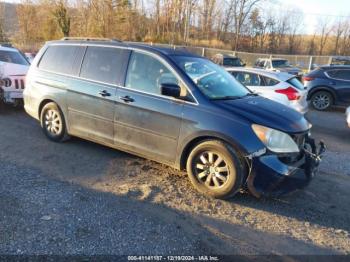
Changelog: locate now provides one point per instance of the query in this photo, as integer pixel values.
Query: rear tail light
(308, 78)
(290, 92)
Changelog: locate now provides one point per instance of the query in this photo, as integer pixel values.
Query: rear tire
(321, 100)
(215, 170)
(53, 123)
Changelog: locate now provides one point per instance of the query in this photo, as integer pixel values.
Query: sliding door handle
(127, 99)
(104, 93)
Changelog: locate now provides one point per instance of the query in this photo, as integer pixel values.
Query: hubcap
(53, 123)
(321, 101)
(211, 169)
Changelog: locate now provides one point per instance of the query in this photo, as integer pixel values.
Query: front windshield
(280, 63)
(12, 57)
(232, 62)
(211, 79)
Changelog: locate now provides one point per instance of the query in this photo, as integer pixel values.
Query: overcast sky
(313, 10)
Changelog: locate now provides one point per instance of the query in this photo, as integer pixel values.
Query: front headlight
(275, 140)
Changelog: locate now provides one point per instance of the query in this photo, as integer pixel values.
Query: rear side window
(104, 64)
(343, 74)
(248, 79)
(296, 83)
(13, 57)
(332, 73)
(269, 81)
(60, 59)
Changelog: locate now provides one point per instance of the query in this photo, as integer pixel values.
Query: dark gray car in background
(328, 85)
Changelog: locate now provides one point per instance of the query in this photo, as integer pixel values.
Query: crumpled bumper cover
(270, 177)
(10, 96)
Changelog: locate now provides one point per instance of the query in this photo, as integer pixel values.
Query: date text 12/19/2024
(173, 258)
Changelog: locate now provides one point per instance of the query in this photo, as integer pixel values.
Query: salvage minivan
(173, 107)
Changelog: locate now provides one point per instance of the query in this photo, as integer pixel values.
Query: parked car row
(272, 78)
(323, 87)
(226, 60)
(277, 65)
(280, 87)
(176, 108)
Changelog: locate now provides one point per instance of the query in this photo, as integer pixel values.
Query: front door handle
(104, 93)
(127, 99)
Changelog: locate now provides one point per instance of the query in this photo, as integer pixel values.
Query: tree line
(241, 25)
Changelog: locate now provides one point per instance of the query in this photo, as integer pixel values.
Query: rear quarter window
(332, 73)
(269, 81)
(61, 58)
(296, 83)
(343, 74)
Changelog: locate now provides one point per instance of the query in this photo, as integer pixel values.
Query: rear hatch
(302, 91)
(298, 85)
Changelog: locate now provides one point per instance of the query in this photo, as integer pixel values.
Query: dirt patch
(314, 220)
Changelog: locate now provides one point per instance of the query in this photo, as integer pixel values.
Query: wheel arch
(43, 103)
(184, 153)
(47, 100)
(322, 88)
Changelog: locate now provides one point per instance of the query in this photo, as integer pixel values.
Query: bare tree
(295, 19)
(324, 29)
(339, 29)
(3, 37)
(241, 10)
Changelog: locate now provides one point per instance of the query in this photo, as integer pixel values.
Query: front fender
(198, 125)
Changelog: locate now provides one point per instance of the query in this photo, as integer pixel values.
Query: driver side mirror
(172, 90)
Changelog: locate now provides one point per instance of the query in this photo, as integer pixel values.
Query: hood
(265, 112)
(9, 69)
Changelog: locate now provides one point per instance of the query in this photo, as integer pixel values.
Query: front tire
(214, 169)
(322, 100)
(53, 123)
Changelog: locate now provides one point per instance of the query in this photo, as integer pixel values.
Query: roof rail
(89, 39)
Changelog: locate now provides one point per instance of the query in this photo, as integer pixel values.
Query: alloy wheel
(53, 122)
(211, 169)
(321, 101)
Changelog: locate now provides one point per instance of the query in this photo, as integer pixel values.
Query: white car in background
(13, 69)
(278, 86)
(348, 116)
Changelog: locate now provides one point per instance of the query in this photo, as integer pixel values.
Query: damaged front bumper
(271, 176)
(11, 89)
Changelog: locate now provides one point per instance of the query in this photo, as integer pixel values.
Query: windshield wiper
(234, 97)
(227, 98)
(251, 94)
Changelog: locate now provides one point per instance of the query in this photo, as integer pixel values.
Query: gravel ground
(82, 198)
